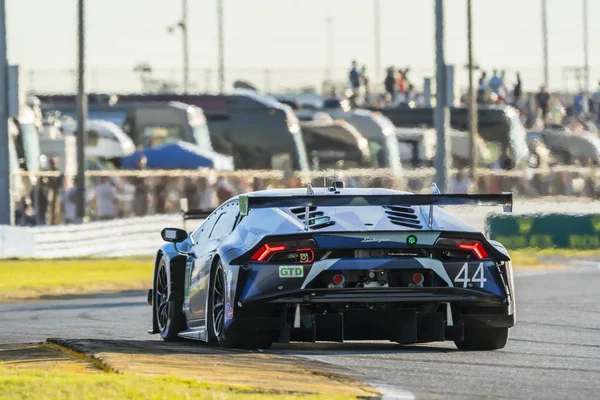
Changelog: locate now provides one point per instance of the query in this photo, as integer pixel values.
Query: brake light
(474, 246)
(265, 251)
(299, 255)
(477, 249)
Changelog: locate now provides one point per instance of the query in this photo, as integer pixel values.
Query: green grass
(27, 279)
(42, 385)
(532, 257)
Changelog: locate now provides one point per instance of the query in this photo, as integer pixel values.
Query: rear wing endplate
(192, 214)
(341, 200)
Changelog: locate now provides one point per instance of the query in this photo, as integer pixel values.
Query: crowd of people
(53, 202)
(52, 199)
(539, 110)
(542, 109)
(398, 88)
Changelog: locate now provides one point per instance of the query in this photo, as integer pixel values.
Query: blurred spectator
(24, 215)
(208, 195)
(377, 182)
(461, 183)
(224, 190)
(70, 204)
(402, 82)
(503, 90)
(495, 83)
(161, 193)
(596, 103)
(190, 190)
(141, 190)
(39, 196)
(483, 87)
(543, 101)
(518, 90)
(245, 185)
(354, 77)
(580, 105)
(55, 187)
(105, 197)
(390, 83)
(365, 83)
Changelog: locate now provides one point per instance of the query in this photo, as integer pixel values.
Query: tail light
(266, 251)
(300, 253)
(474, 246)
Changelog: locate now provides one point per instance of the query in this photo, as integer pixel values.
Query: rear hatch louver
(403, 216)
(316, 219)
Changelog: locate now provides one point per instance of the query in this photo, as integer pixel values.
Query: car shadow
(157, 347)
(359, 348)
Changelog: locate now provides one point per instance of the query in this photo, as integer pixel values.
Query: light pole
(545, 41)
(183, 25)
(377, 23)
(81, 113)
(329, 49)
(186, 54)
(586, 59)
(472, 98)
(442, 112)
(220, 28)
(5, 197)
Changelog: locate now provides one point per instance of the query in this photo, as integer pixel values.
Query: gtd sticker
(291, 272)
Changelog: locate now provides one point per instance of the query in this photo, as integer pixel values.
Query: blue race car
(334, 264)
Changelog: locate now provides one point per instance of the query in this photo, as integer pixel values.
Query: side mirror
(173, 235)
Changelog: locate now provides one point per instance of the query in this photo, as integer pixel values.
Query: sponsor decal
(228, 311)
(375, 240)
(291, 272)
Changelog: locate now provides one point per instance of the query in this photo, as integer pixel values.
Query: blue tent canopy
(178, 155)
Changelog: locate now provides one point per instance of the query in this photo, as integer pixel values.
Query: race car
(335, 264)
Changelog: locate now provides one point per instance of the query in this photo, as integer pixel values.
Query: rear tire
(478, 339)
(217, 332)
(169, 314)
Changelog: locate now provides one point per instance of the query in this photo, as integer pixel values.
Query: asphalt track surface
(553, 352)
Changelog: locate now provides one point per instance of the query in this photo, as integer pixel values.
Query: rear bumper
(395, 314)
(381, 295)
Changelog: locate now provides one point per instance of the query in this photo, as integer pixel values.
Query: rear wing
(342, 200)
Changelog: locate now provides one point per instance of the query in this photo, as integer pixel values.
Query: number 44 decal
(478, 276)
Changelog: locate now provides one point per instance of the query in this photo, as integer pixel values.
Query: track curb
(311, 377)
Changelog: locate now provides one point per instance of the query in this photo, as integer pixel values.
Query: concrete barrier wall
(14, 242)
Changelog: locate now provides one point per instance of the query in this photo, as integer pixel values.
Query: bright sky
(288, 36)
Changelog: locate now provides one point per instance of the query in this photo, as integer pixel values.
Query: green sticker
(291, 272)
(412, 239)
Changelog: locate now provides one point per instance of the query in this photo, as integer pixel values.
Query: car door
(197, 276)
(205, 251)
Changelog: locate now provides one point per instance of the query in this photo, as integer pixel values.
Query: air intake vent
(317, 219)
(403, 216)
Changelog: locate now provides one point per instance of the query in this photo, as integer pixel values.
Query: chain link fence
(48, 198)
